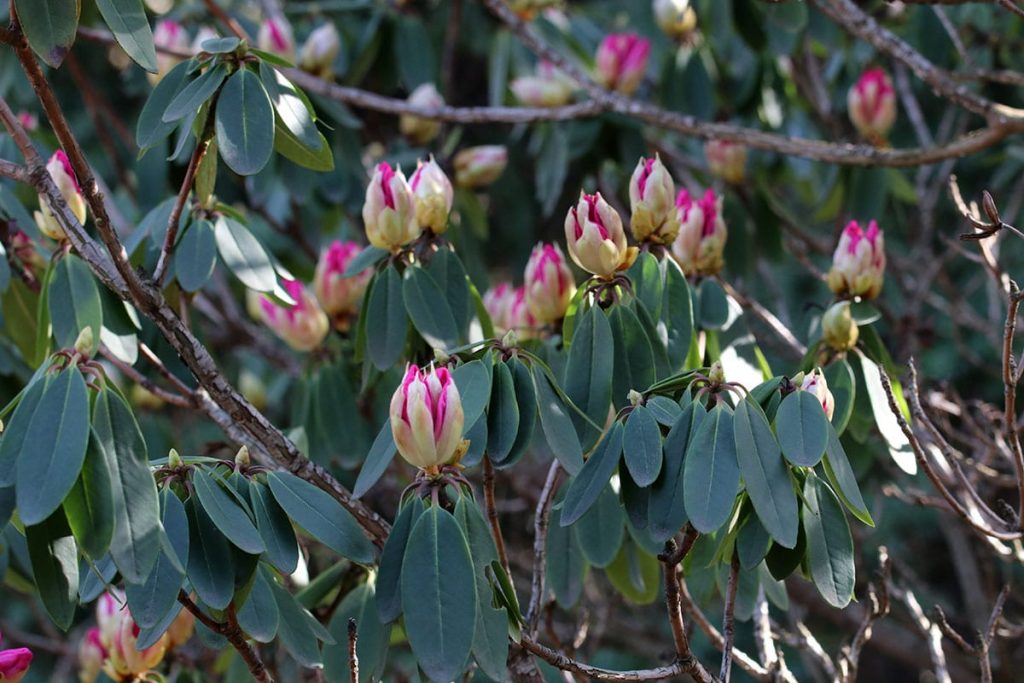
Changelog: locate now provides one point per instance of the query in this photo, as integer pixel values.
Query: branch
(878, 597)
(565, 663)
(540, 535)
(234, 635)
(670, 560)
(729, 620)
(492, 514)
(931, 632)
(353, 658)
(13, 171)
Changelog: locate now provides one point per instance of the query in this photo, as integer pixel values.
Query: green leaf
(588, 371)
(275, 529)
(843, 386)
(244, 255)
(429, 309)
(473, 380)
(802, 428)
(439, 595)
(633, 355)
(259, 616)
(74, 301)
(136, 542)
(666, 511)
(765, 474)
(321, 516)
(635, 574)
(450, 275)
(245, 123)
(151, 601)
(127, 21)
(211, 566)
(382, 452)
(54, 447)
(414, 52)
(227, 514)
(753, 542)
(556, 422)
(888, 426)
(20, 325)
(151, 127)
(829, 544)
(50, 27)
(89, 506)
(713, 307)
(373, 637)
(298, 630)
(54, 558)
(389, 596)
(220, 46)
(711, 477)
(288, 146)
(193, 96)
(195, 257)
(291, 107)
(502, 414)
(843, 480)
(641, 446)
(387, 325)
(600, 531)
(676, 313)
(12, 440)
(566, 567)
(597, 470)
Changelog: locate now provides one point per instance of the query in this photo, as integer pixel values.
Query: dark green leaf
(588, 372)
(389, 597)
(127, 21)
(667, 511)
(635, 574)
(599, 532)
(259, 616)
(429, 309)
(12, 440)
(244, 255)
(502, 414)
(665, 410)
(220, 46)
(296, 628)
(151, 601)
(765, 474)
(151, 127)
(753, 542)
(211, 567)
(802, 428)
(226, 513)
(556, 422)
(526, 400)
(473, 380)
(450, 275)
(195, 257)
(641, 446)
(275, 529)
(50, 27)
(89, 505)
(373, 637)
(54, 558)
(840, 474)
(714, 305)
(597, 470)
(74, 302)
(382, 452)
(633, 355)
(566, 568)
(245, 123)
(842, 384)
(387, 325)
(711, 477)
(193, 96)
(291, 108)
(829, 545)
(676, 313)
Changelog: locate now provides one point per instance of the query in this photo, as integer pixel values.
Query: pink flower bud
(14, 664)
(520, 319)
(67, 184)
(675, 17)
(872, 105)
(168, 35)
(498, 302)
(389, 212)
(124, 659)
(702, 233)
(109, 608)
(420, 130)
(91, 656)
(596, 240)
(548, 87)
(433, 196)
(181, 629)
(726, 160)
(427, 417)
(276, 37)
(302, 325)
(480, 166)
(28, 121)
(339, 295)
(651, 197)
(858, 264)
(621, 61)
(549, 283)
(815, 383)
(320, 50)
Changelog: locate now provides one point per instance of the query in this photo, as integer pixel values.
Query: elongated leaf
(288, 146)
(151, 601)
(321, 516)
(195, 257)
(127, 21)
(296, 628)
(439, 595)
(666, 512)
(429, 309)
(151, 127)
(290, 107)
(12, 440)
(829, 544)
(275, 529)
(711, 476)
(676, 313)
(387, 324)
(389, 596)
(765, 474)
(843, 480)
(50, 27)
(382, 452)
(566, 567)
(54, 558)
(600, 531)
(635, 574)
(588, 372)
(259, 616)
(74, 302)
(641, 446)
(473, 380)
(557, 424)
(244, 255)
(633, 355)
(597, 470)
(54, 447)
(843, 386)
(245, 123)
(89, 505)
(210, 562)
(888, 425)
(753, 541)
(227, 514)
(802, 428)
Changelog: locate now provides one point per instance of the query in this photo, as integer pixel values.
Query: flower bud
(726, 160)
(520, 320)
(480, 166)
(204, 34)
(498, 304)
(276, 37)
(838, 328)
(320, 51)
(433, 196)
(420, 130)
(84, 341)
(858, 264)
(815, 383)
(14, 664)
(596, 240)
(549, 283)
(109, 608)
(181, 629)
(548, 87)
(28, 121)
(651, 195)
(302, 325)
(339, 295)
(427, 417)
(389, 212)
(872, 105)
(716, 374)
(168, 35)
(242, 458)
(125, 660)
(91, 655)
(702, 233)
(67, 184)
(675, 17)
(24, 249)
(252, 387)
(622, 61)
(174, 460)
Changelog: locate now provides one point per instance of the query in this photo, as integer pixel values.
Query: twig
(931, 632)
(492, 514)
(745, 661)
(9, 169)
(353, 658)
(540, 535)
(566, 663)
(670, 560)
(224, 18)
(878, 597)
(234, 635)
(729, 619)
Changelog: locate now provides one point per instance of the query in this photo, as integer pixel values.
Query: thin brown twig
(9, 169)
(234, 634)
(353, 658)
(492, 514)
(540, 535)
(729, 618)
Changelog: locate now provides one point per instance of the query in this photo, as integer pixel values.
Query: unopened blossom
(477, 167)
(28, 121)
(595, 237)
(14, 664)
(858, 264)
(109, 609)
(67, 184)
(302, 325)
(389, 212)
(498, 304)
(549, 285)
(433, 196)
(675, 17)
(872, 105)
(814, 382)
(276, 37)
(546, 87)
(339, 295)
(622, 61)
(168, 35)
(427, 417)
(838, 328)
(321, 50)
(91, 656)
(652, 200)
(24, 249)
(726, 160)
(520, 319)
(700, 243)
(124, 659)
(418, 129)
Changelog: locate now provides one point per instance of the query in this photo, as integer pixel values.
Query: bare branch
(729, 619)
(234, 634)
(540, 536)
